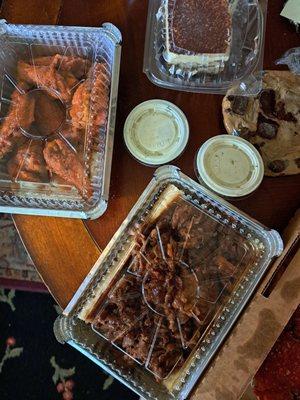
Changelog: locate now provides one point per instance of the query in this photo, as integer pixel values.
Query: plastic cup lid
(230, 166)
(156, 132)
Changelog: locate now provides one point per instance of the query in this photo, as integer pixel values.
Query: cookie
(270, 121)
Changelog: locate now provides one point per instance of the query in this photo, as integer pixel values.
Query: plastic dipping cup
(229, 166)
(156, 132)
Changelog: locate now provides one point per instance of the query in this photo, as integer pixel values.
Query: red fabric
(279, 376)
(23, 285)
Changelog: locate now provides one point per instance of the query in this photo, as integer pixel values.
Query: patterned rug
(34, 366)
(29, 352)
(16, 267)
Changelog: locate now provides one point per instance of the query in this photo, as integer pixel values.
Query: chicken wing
(28, 164)
(48, 78)
(74, 136)
(80, 108)
(21, 114)
(90, 100)
(75, 65)
(42, 113)
(65, 163)
(49, 113)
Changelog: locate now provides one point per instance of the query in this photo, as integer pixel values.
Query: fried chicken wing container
(204, 45)
(58, 105)
(166, 291)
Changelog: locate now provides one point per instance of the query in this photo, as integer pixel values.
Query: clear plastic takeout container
(181, 54)
(57, 108)
(169, 286)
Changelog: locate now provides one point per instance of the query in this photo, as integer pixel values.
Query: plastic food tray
(23, 189)
(245, 54)
(207, 228)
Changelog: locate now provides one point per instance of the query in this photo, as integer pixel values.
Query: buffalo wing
(20, 115)
(64, 162)
(28, 164)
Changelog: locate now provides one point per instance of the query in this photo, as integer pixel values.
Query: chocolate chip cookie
(270, 121)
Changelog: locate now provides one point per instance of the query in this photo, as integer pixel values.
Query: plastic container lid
(156, 132)
(180, 56)
(56, 122)
(230, 166)
(169, 287)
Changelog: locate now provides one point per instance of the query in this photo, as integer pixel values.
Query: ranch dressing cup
(229, 166)
(156, 132)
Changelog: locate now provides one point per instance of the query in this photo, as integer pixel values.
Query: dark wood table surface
(65, 250)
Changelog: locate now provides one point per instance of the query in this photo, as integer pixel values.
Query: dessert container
(230, 166)
(207, 71)
(291, 58)
(169, 287)
(58, 107)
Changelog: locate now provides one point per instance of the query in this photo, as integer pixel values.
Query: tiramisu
(198, 33)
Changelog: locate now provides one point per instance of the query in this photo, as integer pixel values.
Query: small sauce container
(156, 132)
(229, 166)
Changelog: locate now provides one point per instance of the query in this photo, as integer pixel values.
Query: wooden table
(65, 250)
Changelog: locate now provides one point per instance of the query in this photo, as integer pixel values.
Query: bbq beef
(181, 269)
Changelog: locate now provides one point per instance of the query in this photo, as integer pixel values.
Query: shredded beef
(181, 269)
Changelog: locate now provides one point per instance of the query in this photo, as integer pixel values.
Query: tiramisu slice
(198, 33)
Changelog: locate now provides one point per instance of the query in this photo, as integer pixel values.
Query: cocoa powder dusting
(201, 26)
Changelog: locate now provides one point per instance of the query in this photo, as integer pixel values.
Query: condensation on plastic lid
(156, 132)
(230, 166)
